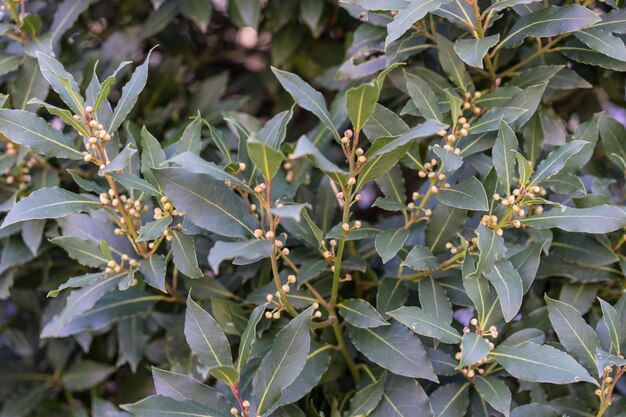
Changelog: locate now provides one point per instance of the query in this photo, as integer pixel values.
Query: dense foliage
(191, 228)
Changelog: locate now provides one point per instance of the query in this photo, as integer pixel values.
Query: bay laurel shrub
(423, 215)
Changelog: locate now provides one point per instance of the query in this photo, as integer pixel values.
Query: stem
(536, 54)
(340, 246)
(481, 34)
(354, 371)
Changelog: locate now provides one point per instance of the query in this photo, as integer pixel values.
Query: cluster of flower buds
(114, 267)
(452, 248)
(491, 221)
(97, 139)
(345, 139)
(11, 149)
(167, 210)
(245, 412)
(346, 226)
(288, 166)
(19, 175)
(469, 102)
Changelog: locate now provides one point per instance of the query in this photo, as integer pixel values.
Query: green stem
(354, 371)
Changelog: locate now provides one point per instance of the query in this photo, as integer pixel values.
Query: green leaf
(385, 152)
(193, 163)
(614, 325)
(603, 42)
(434, 299)
(403, 397)
(316, 367)
(394, 348)
(85, 252)
(153, 270)
(612, 133)
(361, 314)
(266, 159)
(526, 262)
(248, 337)
(451, 63)
(130, 181)
(574, 333)
(599, 219)
(103, 93)
(306, 97)
(443, 227)
(27, 129)
(549, 21)
(184, 255)
(274, 132)
(130, 93)
(450, 400)
(190, 140)
(389, 242)
(422, 323)
(392, 293)
(79, 301)
(472, 51)
(182, 387)
(49, 203)
(468, 194)
(475, 348)
(366, 399)
(206, 202)
(508, 284)
(306, 148)
(160, 406)
(245, 250)
(540, 363)
(495, 392)
(208, 341)
(491, 247)
(504, 156)
(423, 97)
(556, 160)
(406, 17)
(86, 374)
(282, 365)
(421, 259)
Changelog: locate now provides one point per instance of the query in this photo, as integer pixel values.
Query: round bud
(291, 279)
(345, 227)
(357, 224)
(317, 314)
(89, 109)
(276, 315)
(268, 315)
(242, 166)
(270, 235)
(351, 181)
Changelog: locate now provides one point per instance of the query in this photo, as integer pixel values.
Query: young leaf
(282, 365)
(208, 341)
(540, 363)
(130, 93)
(190, 139)
(266, 159)
(62, 82)
(361, 314)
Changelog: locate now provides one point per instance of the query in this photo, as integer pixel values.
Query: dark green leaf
(361, 314)
(468, 194)
(424, 324)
